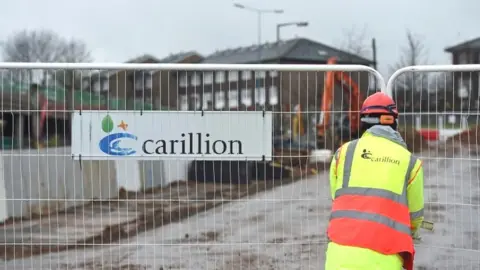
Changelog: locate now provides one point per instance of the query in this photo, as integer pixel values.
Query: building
(234, 89)
(467, 83)
(196, 90)
(193, 90)
(141, 85)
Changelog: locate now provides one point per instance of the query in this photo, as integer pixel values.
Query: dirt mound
(471, 136)
(415, 142)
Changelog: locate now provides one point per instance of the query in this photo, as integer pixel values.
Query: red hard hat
(379, 103)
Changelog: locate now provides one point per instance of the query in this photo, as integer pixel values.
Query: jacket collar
(387, 133)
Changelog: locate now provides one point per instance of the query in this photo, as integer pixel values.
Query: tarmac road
(284, 229)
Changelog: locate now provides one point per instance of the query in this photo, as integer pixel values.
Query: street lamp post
(259, 12)
(280, 25)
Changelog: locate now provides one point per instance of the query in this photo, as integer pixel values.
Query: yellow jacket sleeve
(333, 177)
(415, 196)
(333, 173)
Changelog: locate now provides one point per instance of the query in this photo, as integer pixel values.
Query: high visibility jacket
(371, 208)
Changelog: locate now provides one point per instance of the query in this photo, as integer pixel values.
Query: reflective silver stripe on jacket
(417, 214)
(346, 190)
(372, 217)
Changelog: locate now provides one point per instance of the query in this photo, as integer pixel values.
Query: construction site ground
(283, 228)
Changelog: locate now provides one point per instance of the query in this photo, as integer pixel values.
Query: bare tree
(72, 51)
(32, 46)
(46, 46)
(356, 41)
(412, 54)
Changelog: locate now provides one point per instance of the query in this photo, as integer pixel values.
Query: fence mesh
(172, 213)
(440, 116)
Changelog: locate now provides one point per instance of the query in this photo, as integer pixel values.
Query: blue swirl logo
(110, 144)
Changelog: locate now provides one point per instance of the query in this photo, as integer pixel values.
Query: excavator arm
(327, 99)
(350, 87)
(355, 100)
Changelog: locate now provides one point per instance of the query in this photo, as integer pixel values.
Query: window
(273, 95)
(273, 74)
(259, 74)
(219, 100)
(246, 75)
(139, 83)
(463, 88)
(246, 97)
(85, 83)
(207, 101)
(260, 95)
(196, 101)
(208, 77)
(183, 102)
(182, 81)
(105, 85)
(233, 99)
(220, 76)
(96, 86)
(148, 80)
(463, 58)
(143, 79)
(196, 79)
(233, 76)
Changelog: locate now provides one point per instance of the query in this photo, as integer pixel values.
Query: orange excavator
(346, 127)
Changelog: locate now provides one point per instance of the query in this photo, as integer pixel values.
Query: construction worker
(377, 192)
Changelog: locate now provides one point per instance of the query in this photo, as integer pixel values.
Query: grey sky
(117, 30)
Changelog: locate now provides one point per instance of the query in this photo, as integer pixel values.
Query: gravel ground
(284, 229)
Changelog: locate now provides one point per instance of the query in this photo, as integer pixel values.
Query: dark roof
(293, 49)
(172, 58)
(469, 44)
(177, 57)
(143, 58)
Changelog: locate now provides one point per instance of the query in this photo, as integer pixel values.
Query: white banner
(99, 135)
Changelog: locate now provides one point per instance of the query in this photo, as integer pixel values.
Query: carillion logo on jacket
(110, 144)
(367, 154)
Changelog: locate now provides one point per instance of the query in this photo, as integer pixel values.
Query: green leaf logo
(107, 124)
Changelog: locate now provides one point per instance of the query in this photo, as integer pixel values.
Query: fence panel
(439, 107)
(132, 198)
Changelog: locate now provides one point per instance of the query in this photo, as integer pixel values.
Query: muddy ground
(284, 229)
(101, 223)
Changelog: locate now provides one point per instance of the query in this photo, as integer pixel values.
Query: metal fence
(451, 165)
(149, 199)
